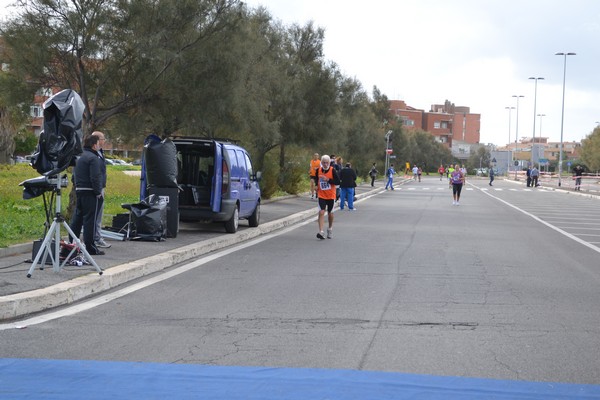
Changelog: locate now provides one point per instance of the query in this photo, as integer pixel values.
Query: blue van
(217, 182)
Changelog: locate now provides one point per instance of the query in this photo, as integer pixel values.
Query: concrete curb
(16, 249)
(21, 304)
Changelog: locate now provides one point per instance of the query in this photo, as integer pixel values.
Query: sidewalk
(129, 260)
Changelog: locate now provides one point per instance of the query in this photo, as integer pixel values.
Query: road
(504, 286)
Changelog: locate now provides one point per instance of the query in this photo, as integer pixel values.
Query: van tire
(231, 226)
(254, 219)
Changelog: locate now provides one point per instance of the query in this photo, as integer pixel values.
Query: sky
(474, 53)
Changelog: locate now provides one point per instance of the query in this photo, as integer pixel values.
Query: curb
(16, 249)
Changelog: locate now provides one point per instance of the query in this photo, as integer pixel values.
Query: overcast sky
(475, 53)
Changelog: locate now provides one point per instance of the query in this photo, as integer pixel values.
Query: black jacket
(347, 178)
(89, 172)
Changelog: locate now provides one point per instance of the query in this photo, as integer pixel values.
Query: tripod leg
(88, 257)
(44, 248)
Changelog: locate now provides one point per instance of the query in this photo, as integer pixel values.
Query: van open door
(217, 182)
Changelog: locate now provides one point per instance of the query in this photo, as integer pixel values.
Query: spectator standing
(578, 172)
(312, 173)
(390, 177)
(98, 233)
(534, 176)
(88, 189)
(373, 174)
(457, 178)
(327, 179)
(491, 175)
(528, 176)
(347, 185)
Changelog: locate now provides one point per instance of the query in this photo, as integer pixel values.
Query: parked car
(480, 171)
(217, 182)
(117, 161)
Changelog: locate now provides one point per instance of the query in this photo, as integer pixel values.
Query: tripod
(53, 233)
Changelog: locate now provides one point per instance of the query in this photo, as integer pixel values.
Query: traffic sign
(389, 151)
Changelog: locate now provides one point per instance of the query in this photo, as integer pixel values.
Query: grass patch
(23, 221)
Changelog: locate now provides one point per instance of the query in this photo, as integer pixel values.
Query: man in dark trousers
(578, 172)
(347, 185)
(88, 188)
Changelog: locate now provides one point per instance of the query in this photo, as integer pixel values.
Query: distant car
(480, 171)
(21, 160)
(116, 161)
(109, 161)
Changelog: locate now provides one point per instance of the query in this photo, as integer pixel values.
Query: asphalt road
(503, 286)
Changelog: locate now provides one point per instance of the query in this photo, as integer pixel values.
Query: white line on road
(106, 298)
(557, 229)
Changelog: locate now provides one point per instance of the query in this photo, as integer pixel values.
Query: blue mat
(65, 379)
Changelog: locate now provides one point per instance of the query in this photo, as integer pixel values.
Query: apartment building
(446, 122)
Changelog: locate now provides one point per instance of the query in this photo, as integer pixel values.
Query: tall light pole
(534, 114)
(562, 118)
(508, 157)
(541, 115)
(517, 127)
(387, 148)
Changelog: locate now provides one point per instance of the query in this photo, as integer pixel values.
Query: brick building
(446, 122)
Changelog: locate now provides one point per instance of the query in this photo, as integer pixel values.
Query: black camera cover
(60, 141)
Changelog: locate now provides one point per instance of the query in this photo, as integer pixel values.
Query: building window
(407, 122)
(444, 124)
(436, 125)
(36, 111)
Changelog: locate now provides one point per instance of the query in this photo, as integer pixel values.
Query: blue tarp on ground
(66, 379)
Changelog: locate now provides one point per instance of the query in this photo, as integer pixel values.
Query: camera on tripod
(58, 145)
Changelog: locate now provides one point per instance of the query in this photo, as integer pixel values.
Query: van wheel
(231, 226)
(254, 219)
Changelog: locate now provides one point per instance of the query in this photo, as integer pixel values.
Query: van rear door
(217, 178)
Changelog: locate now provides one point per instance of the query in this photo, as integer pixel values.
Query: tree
(423, 150)
(590, 150)
(117, 55)
(480, 158)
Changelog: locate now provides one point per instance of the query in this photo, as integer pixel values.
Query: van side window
(248, 165)
(235, 168)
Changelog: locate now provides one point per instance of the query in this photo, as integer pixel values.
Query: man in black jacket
(88, 187)
(347, 185)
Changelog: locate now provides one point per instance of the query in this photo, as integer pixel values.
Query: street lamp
(562, 118)
(517, 127)
(541, 115)
(534, 113)
(509, 158)
(387, 147)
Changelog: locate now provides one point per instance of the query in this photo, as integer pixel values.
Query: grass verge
(22, 221)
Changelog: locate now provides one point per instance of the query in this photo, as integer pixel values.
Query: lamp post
(562, 118)
(387, 147)
(541, 115)
(509, 158)
(517, 127)
(534, 113)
